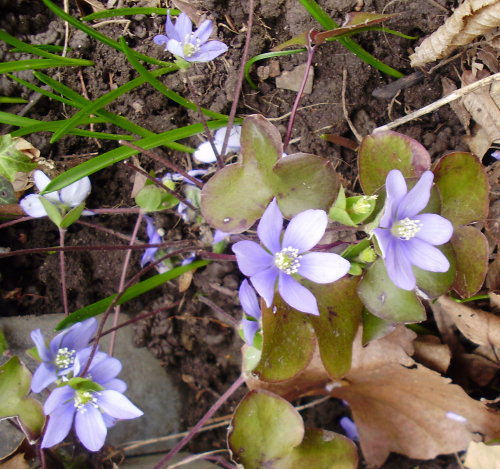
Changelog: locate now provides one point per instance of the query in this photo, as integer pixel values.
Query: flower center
(406, 228)
(191, 45)
(287, 260)
(64, 358)
(83, 398)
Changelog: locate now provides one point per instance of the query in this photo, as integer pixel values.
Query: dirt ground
(191, 341)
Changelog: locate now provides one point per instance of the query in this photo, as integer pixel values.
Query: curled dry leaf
(480, 369)
(429, 351)
(471, 19)
(478, 326)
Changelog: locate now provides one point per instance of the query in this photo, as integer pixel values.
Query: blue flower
(205, 153)
(405, 236)
(154, 237)
(250, 305)
(92, 411)
(181, 41)
(58, 360)
(283, 259)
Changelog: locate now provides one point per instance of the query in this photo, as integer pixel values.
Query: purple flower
(407, 237)
(58, 360)
(496, 154)
(68, 197)
(92, 408)
(154, 238)
(250, 305)
(205, 153)
(181, 41)
(283, 259)
(349, 428)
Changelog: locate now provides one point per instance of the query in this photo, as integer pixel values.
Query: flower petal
(234, 142)
(75, 193)
(117, 405)
(296, 295)
(305, 230)
(425, 256)
(251, 257)
(41, 347)
(435, 229)
(270, 226)
(398, 266)
(105, 370)
(204, 153)
(183, 26)
(249, 329)
(208, 52)
(41, 180)
(323, 267)
(78, 336)
(161, 40)
(42, 377)
(57, 398)
(417, 198)
(115, 385)
(264, 282)
(32, 206)
(384, 238)
(59, 425)
(90, 428)
(175, 47)
(170, 29)
(248, 300)
(204, 30)
(395, 186)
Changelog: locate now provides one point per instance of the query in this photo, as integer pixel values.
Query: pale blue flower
(68, 197)
(205, 153)
(58, 359)
(154, 237)
(496, 154)
(407, 237)
(250, 305)
(180, 40)
(92, 412)
(282, 259)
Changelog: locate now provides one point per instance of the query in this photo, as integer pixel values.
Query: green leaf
(464, 189)
(53, 211)
(4, 345)
(435, 284)
(15, 382)
(386, 301)
(354, 250)
(282, 329)
(36, 64)
(130, 293)
(338, 211)
(7, 193)
(149, 198)
(84, 384)
(237, 195)
(381, 152)
(375, 328)
(72, 216)
(340, 315)
(471, 250)
(13, 161)
(267, 432)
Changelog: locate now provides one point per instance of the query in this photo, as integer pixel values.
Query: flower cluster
(407, 237)
(94, 401)
(68, 197)
(180, 40)
(282, 259)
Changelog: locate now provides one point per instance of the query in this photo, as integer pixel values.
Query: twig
(457, 94)
(163, 161)
(241, 75)
(62, 232)
(161, 186)
(105, 230)
(201, 422)
(219, 310)
(123, 275)
(344, 107)
(15, 222)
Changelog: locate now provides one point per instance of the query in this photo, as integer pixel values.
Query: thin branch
(62, 268)
(219, 310)
(344, 107)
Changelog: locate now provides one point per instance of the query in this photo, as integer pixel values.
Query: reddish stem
(63, 272)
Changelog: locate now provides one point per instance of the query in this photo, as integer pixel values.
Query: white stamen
(406, 228)
(64, 358)
(84, 398)
(191, 45)
(287, 260)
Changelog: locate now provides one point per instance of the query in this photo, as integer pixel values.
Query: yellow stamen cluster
(406, 228)
(287, 260)
(64, 358)
(83, 398)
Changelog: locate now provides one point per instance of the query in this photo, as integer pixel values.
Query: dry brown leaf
(471, 19)
(493, 275)
(429, 351)
(478, 326)
(458, 107)
(481, 456)
(480, 369)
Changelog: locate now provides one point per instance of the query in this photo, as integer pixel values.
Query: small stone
(292, 80)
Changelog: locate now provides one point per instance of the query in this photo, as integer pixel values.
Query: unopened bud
(367, 255)
(363, 205)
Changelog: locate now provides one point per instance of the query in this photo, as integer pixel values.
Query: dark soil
(192, 341)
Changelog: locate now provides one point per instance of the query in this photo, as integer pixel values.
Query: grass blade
(35, 64)
(170, 94)
(12, 100)
(130, 293)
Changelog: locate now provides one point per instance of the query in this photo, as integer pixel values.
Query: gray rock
(149, 386)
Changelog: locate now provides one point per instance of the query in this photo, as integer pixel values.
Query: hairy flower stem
(123, 276)
(239, 83)
(162, 463)
(293, 113)
(161, 186)
(62, 268)
(164, 161)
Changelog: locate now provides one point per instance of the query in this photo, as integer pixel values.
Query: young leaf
(72, 216)
(15, 381)
(13, 161)
(53, 212)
